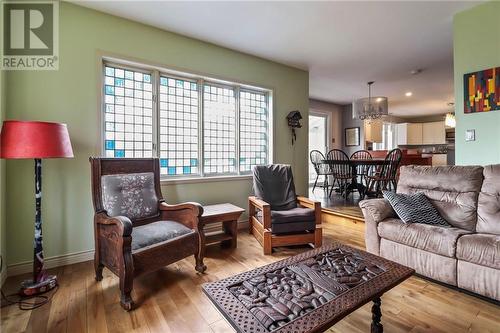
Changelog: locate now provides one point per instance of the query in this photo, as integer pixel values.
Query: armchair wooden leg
(200, 266)
(98, 270)
(318, 237)
(268, 247)
(126, 285)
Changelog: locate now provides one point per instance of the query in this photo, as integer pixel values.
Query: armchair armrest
(308, 203)
(187, 213)
(254, 203)
(260, 204)
(123, 223)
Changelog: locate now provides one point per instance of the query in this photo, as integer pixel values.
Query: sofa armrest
(374, 211)
(122, 223)
(377, 210)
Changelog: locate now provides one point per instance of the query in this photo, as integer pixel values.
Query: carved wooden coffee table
(308, 292)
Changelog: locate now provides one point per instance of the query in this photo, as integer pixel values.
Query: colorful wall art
(482, 91)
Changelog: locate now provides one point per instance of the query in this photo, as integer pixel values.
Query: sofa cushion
(415, 208)
(453, 190)
(132, 195)
(488, 211)
(426, 237)
(481, 249)
(156, 232)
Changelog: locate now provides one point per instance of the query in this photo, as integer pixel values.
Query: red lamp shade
(34, 139)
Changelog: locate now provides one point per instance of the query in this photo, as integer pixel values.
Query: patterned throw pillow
(415, 208)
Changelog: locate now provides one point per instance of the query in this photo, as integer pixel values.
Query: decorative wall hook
(294, 118)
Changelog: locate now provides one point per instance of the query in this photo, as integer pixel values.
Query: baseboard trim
(77, 257)
(52, 262)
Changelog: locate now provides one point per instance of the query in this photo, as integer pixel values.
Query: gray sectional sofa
(467, 255)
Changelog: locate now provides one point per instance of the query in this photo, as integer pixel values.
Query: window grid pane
(128, 113)
(219, 125)
(253, 130)
(178, 127)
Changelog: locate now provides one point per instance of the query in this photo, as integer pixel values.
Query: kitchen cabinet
(439, 159)
(409, 134)
(433, 133)
(373, 131)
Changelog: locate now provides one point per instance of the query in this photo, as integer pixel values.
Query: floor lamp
(37, 140)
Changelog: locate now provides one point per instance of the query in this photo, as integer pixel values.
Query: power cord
(24, 302)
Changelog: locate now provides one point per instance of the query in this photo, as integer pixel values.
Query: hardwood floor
(336, 203)
(171, 299)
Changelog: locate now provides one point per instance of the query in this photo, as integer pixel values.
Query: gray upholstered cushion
(132, 195)
(274, 184)
(297, 214)
(156, 232)
(452, 190)
(415, 208)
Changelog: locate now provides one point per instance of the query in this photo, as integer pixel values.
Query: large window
(196, 126)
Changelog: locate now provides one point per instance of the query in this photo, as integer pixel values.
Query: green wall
(71, 95)
(476, 46)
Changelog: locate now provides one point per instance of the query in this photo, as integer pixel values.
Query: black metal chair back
(317, 158)
(339, 170)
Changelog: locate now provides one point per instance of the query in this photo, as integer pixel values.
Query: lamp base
(28, 288)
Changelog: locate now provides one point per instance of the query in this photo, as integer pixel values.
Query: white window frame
(158, 71)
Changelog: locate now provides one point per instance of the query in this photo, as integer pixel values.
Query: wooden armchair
(135, 230)
(277, 216)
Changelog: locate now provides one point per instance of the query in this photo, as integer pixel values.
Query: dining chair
(363, 169)
(340, 169)
(386, 178)
(321, 169)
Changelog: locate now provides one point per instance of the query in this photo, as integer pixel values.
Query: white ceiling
(342, 44)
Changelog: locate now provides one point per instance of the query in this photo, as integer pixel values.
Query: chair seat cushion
(298, 214)
(435, 239)
(157, 232)
(481, 249)
(291, 221)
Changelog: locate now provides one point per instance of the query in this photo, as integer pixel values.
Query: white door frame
(328, 135)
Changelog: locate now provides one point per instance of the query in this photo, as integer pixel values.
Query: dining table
(355, 164)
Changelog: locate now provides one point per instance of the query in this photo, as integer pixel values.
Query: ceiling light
(450, 120)
(365, 108)
(416, 71)
(408, 94)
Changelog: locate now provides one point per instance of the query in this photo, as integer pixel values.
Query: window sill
(195, 180)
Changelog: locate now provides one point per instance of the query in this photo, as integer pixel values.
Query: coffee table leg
(376, 315)
(231, 228)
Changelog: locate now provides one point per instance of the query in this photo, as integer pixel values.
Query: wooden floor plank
(170, 300)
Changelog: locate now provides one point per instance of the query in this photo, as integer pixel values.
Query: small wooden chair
(135, 230)
(342, 171)
(277, 216)
(387, 176)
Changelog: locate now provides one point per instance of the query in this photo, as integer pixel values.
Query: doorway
(318, 139)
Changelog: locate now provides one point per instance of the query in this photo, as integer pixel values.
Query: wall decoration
(293, 119)
(352, 136)
(482, 91)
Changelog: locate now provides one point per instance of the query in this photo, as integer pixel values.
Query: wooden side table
(226, 213)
